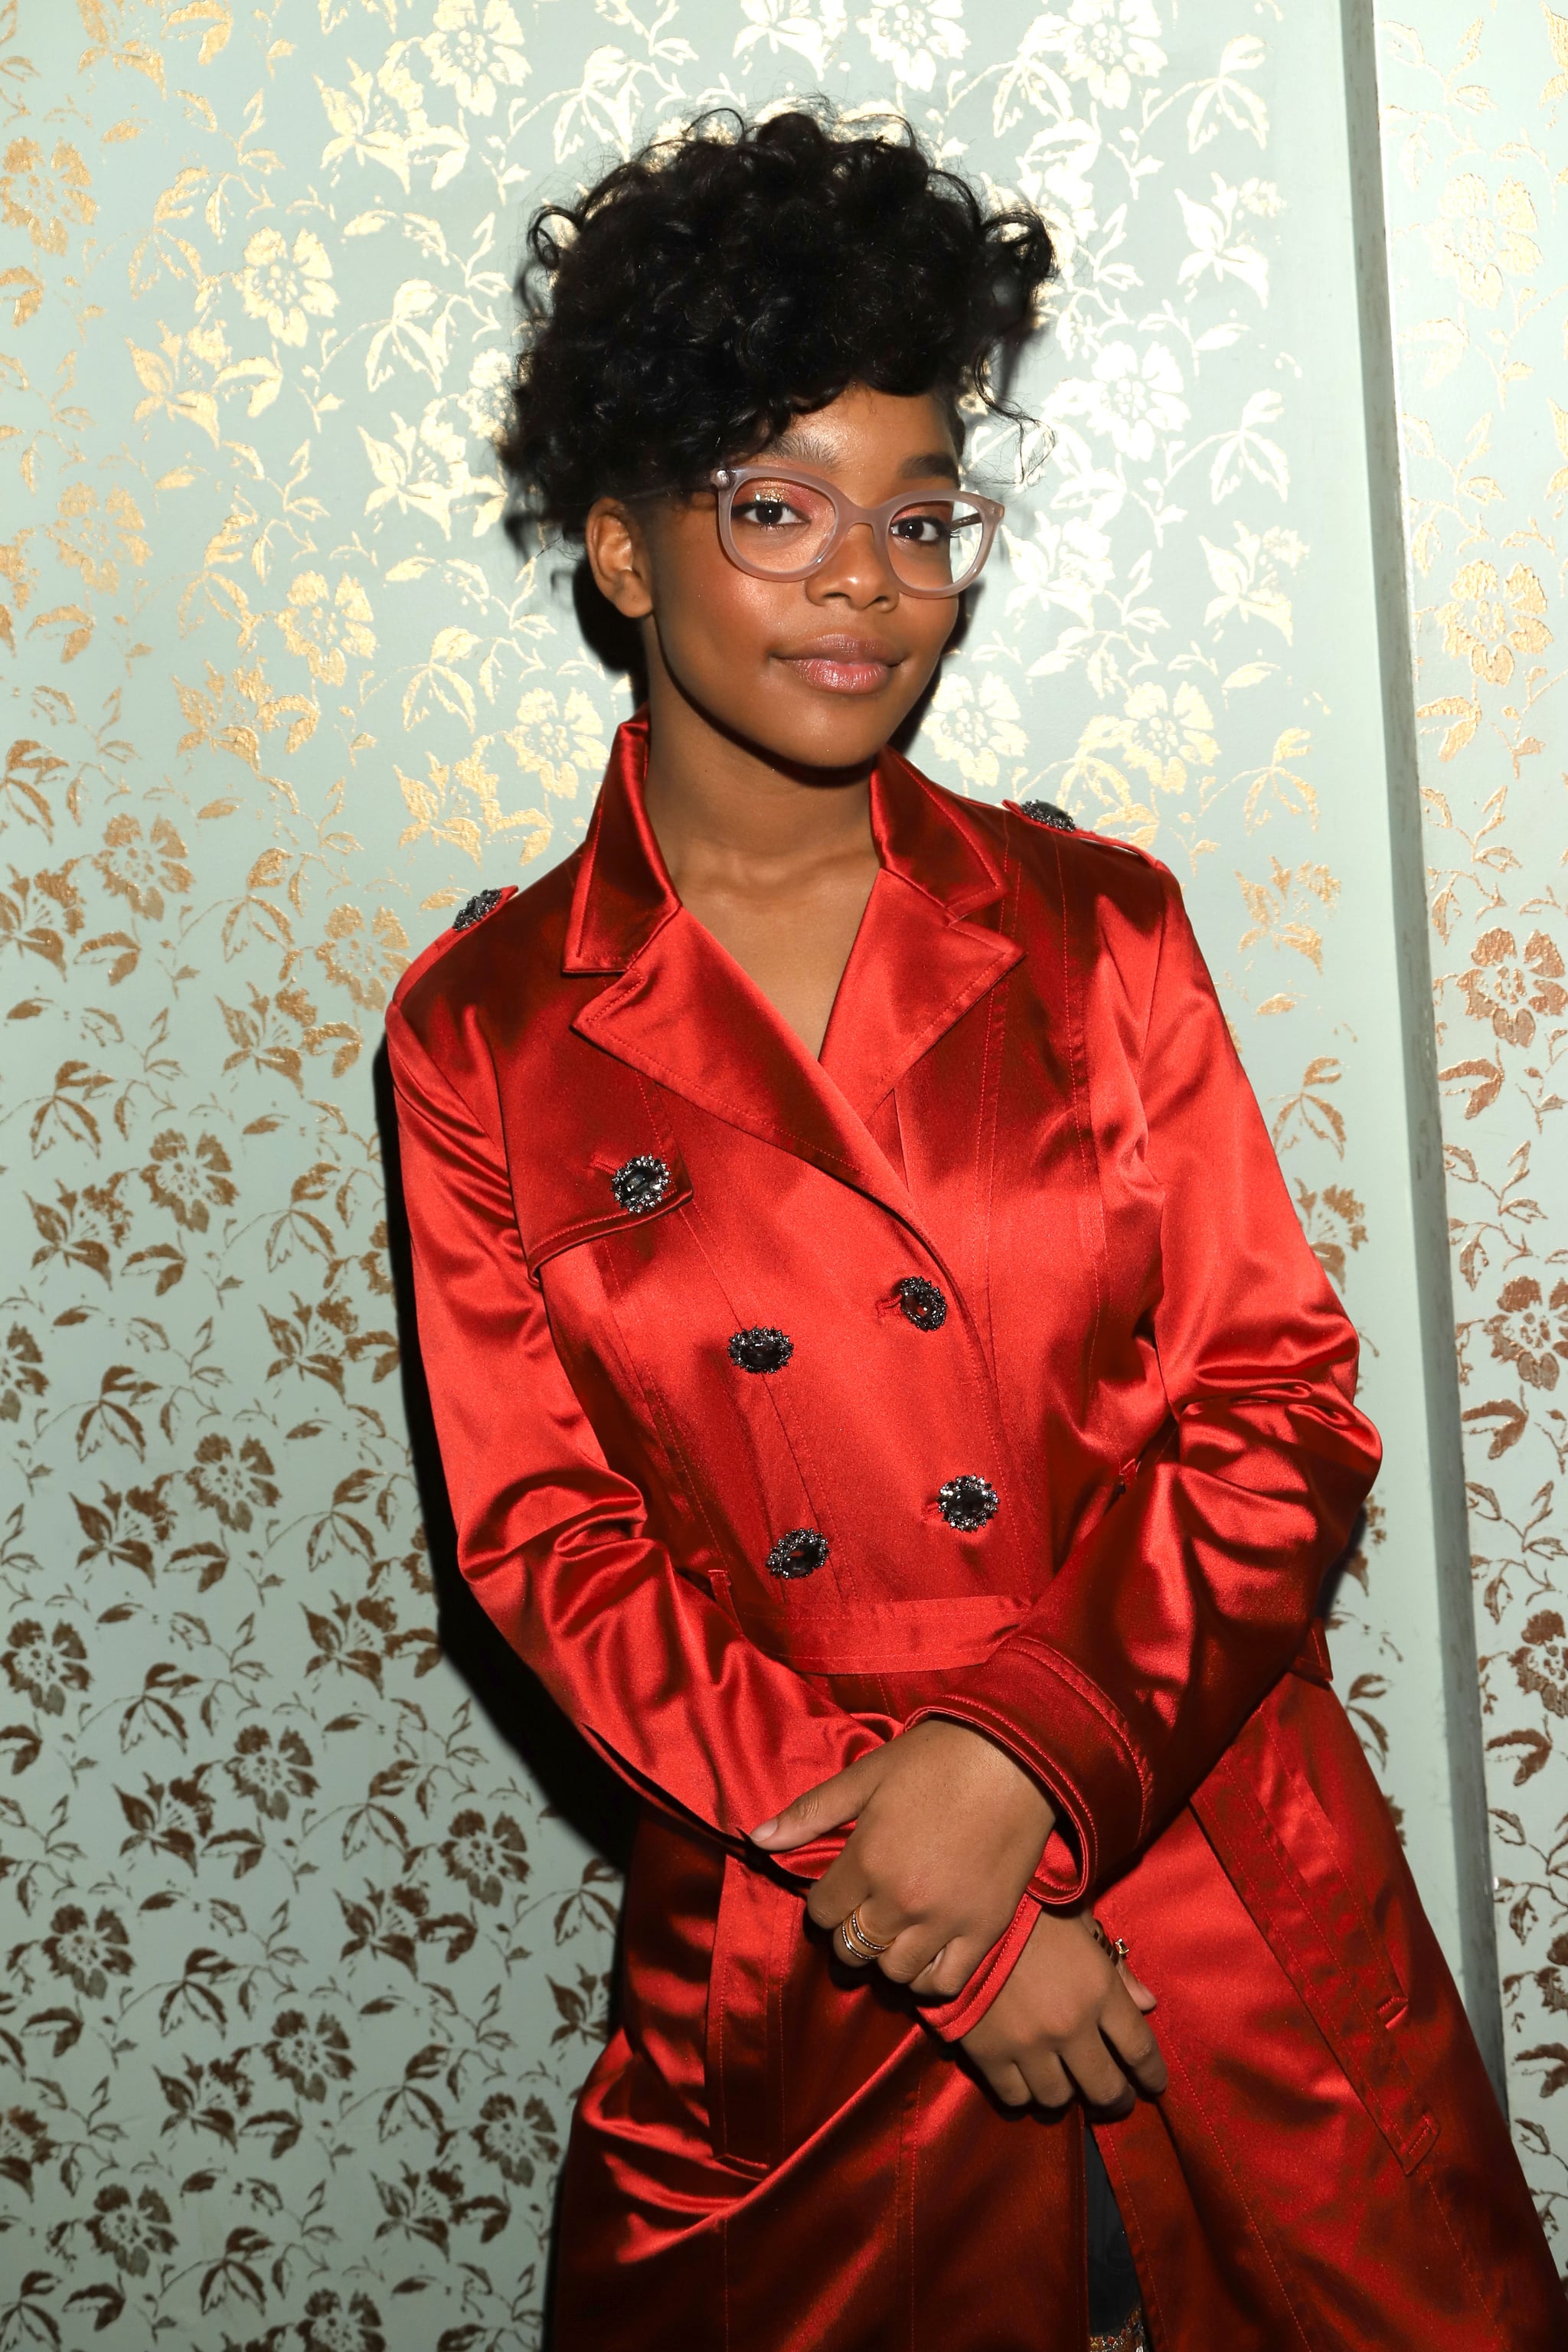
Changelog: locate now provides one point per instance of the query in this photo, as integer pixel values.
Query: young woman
(887, 1397)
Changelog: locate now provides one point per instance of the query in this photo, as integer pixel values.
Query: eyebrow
(932, 461)
(812, 449)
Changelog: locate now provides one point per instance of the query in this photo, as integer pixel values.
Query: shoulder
(1072, 867)
(497, 961)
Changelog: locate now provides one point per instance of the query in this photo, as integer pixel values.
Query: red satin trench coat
(1027, 1098)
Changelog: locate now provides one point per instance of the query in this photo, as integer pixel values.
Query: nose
(856, 570)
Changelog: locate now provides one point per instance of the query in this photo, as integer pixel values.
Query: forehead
(891, 434)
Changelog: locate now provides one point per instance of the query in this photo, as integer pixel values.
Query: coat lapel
(919, 961)
(680, 1010)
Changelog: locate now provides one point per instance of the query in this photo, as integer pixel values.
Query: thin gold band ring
(857, 1942)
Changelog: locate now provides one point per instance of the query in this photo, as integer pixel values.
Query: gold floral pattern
(1512, 988)
(1490, 622)
(1483, 239)
(287, 285)
(1529, 1331)
(99, 534)
(324, 629)
(475, 51)
(1472, 114)
(50, 199)
(1105, 43)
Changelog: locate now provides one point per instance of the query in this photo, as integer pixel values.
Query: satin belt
(891, 1637)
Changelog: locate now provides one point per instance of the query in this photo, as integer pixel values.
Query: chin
(823, 730)
(834, 751)
(808, 727)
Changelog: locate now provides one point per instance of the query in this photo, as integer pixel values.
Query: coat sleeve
(553, 1539)
(1171, 1621)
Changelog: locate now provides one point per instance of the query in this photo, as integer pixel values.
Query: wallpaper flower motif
(47, 199)
(476, 47)
(913, 37)
(1472, 112)
(303, 1964)
(1104, 43)
(1483, 239)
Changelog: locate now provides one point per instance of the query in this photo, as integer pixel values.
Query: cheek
(712, 618)
(930, 621)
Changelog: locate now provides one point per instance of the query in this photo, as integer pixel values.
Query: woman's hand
(1068, 2020)
(948, 1833)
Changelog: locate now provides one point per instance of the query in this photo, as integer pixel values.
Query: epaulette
(1057, 820)
(472, 912)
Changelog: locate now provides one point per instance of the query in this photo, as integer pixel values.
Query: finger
(1133, 2039)
(837, 1892)
(1006, 2081)
(846, 1948)
(1137, 1990)
(947, 1971)
(1049, 2084)
(826, 1807)
(1099, 2077)
(911, 1956)
(842, 1888)
(926, 1983)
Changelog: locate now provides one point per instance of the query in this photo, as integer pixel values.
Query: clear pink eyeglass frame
(848, 516)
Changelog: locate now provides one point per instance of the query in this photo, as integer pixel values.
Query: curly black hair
(730, 277)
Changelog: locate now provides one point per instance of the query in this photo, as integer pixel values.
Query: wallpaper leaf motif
(1471, 107)
(303, 1965)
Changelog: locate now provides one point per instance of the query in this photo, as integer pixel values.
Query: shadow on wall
(575, 1782)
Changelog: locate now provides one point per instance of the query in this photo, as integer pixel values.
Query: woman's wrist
(1017, 1773)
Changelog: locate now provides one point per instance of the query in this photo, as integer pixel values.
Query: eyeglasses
(783, 523)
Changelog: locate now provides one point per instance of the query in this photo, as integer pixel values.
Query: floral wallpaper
(307, 1907)
(1474, 109)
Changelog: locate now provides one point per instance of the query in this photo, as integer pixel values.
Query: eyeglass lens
(785, 525)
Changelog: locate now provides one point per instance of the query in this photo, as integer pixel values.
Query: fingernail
(766, 1829)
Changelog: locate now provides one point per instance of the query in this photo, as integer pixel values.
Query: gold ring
(857, 1943)
(1114, 1952)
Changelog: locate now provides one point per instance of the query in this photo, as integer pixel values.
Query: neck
(726, 811)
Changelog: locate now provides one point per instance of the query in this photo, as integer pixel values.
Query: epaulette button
(484, 903)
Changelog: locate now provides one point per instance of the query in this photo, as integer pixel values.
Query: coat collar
(680, 1010)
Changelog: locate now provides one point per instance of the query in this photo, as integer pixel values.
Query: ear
(618, 558)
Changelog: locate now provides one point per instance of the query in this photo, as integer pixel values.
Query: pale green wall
(283, 701)
(1475, 103)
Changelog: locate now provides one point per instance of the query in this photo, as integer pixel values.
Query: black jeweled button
(1047, 812)
(922, 1303)
(485, 902)
(968, 1502)
(801, 1552)
(760, 1348)
(640, 1183)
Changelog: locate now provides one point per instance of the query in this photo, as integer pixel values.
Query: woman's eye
(922, 531)
(767, 513)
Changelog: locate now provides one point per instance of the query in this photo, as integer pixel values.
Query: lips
(845, 665)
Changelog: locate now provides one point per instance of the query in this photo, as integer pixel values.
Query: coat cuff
(1063, 1730)
(953, 2019)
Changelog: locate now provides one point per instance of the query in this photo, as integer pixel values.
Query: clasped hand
(948, 1833)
